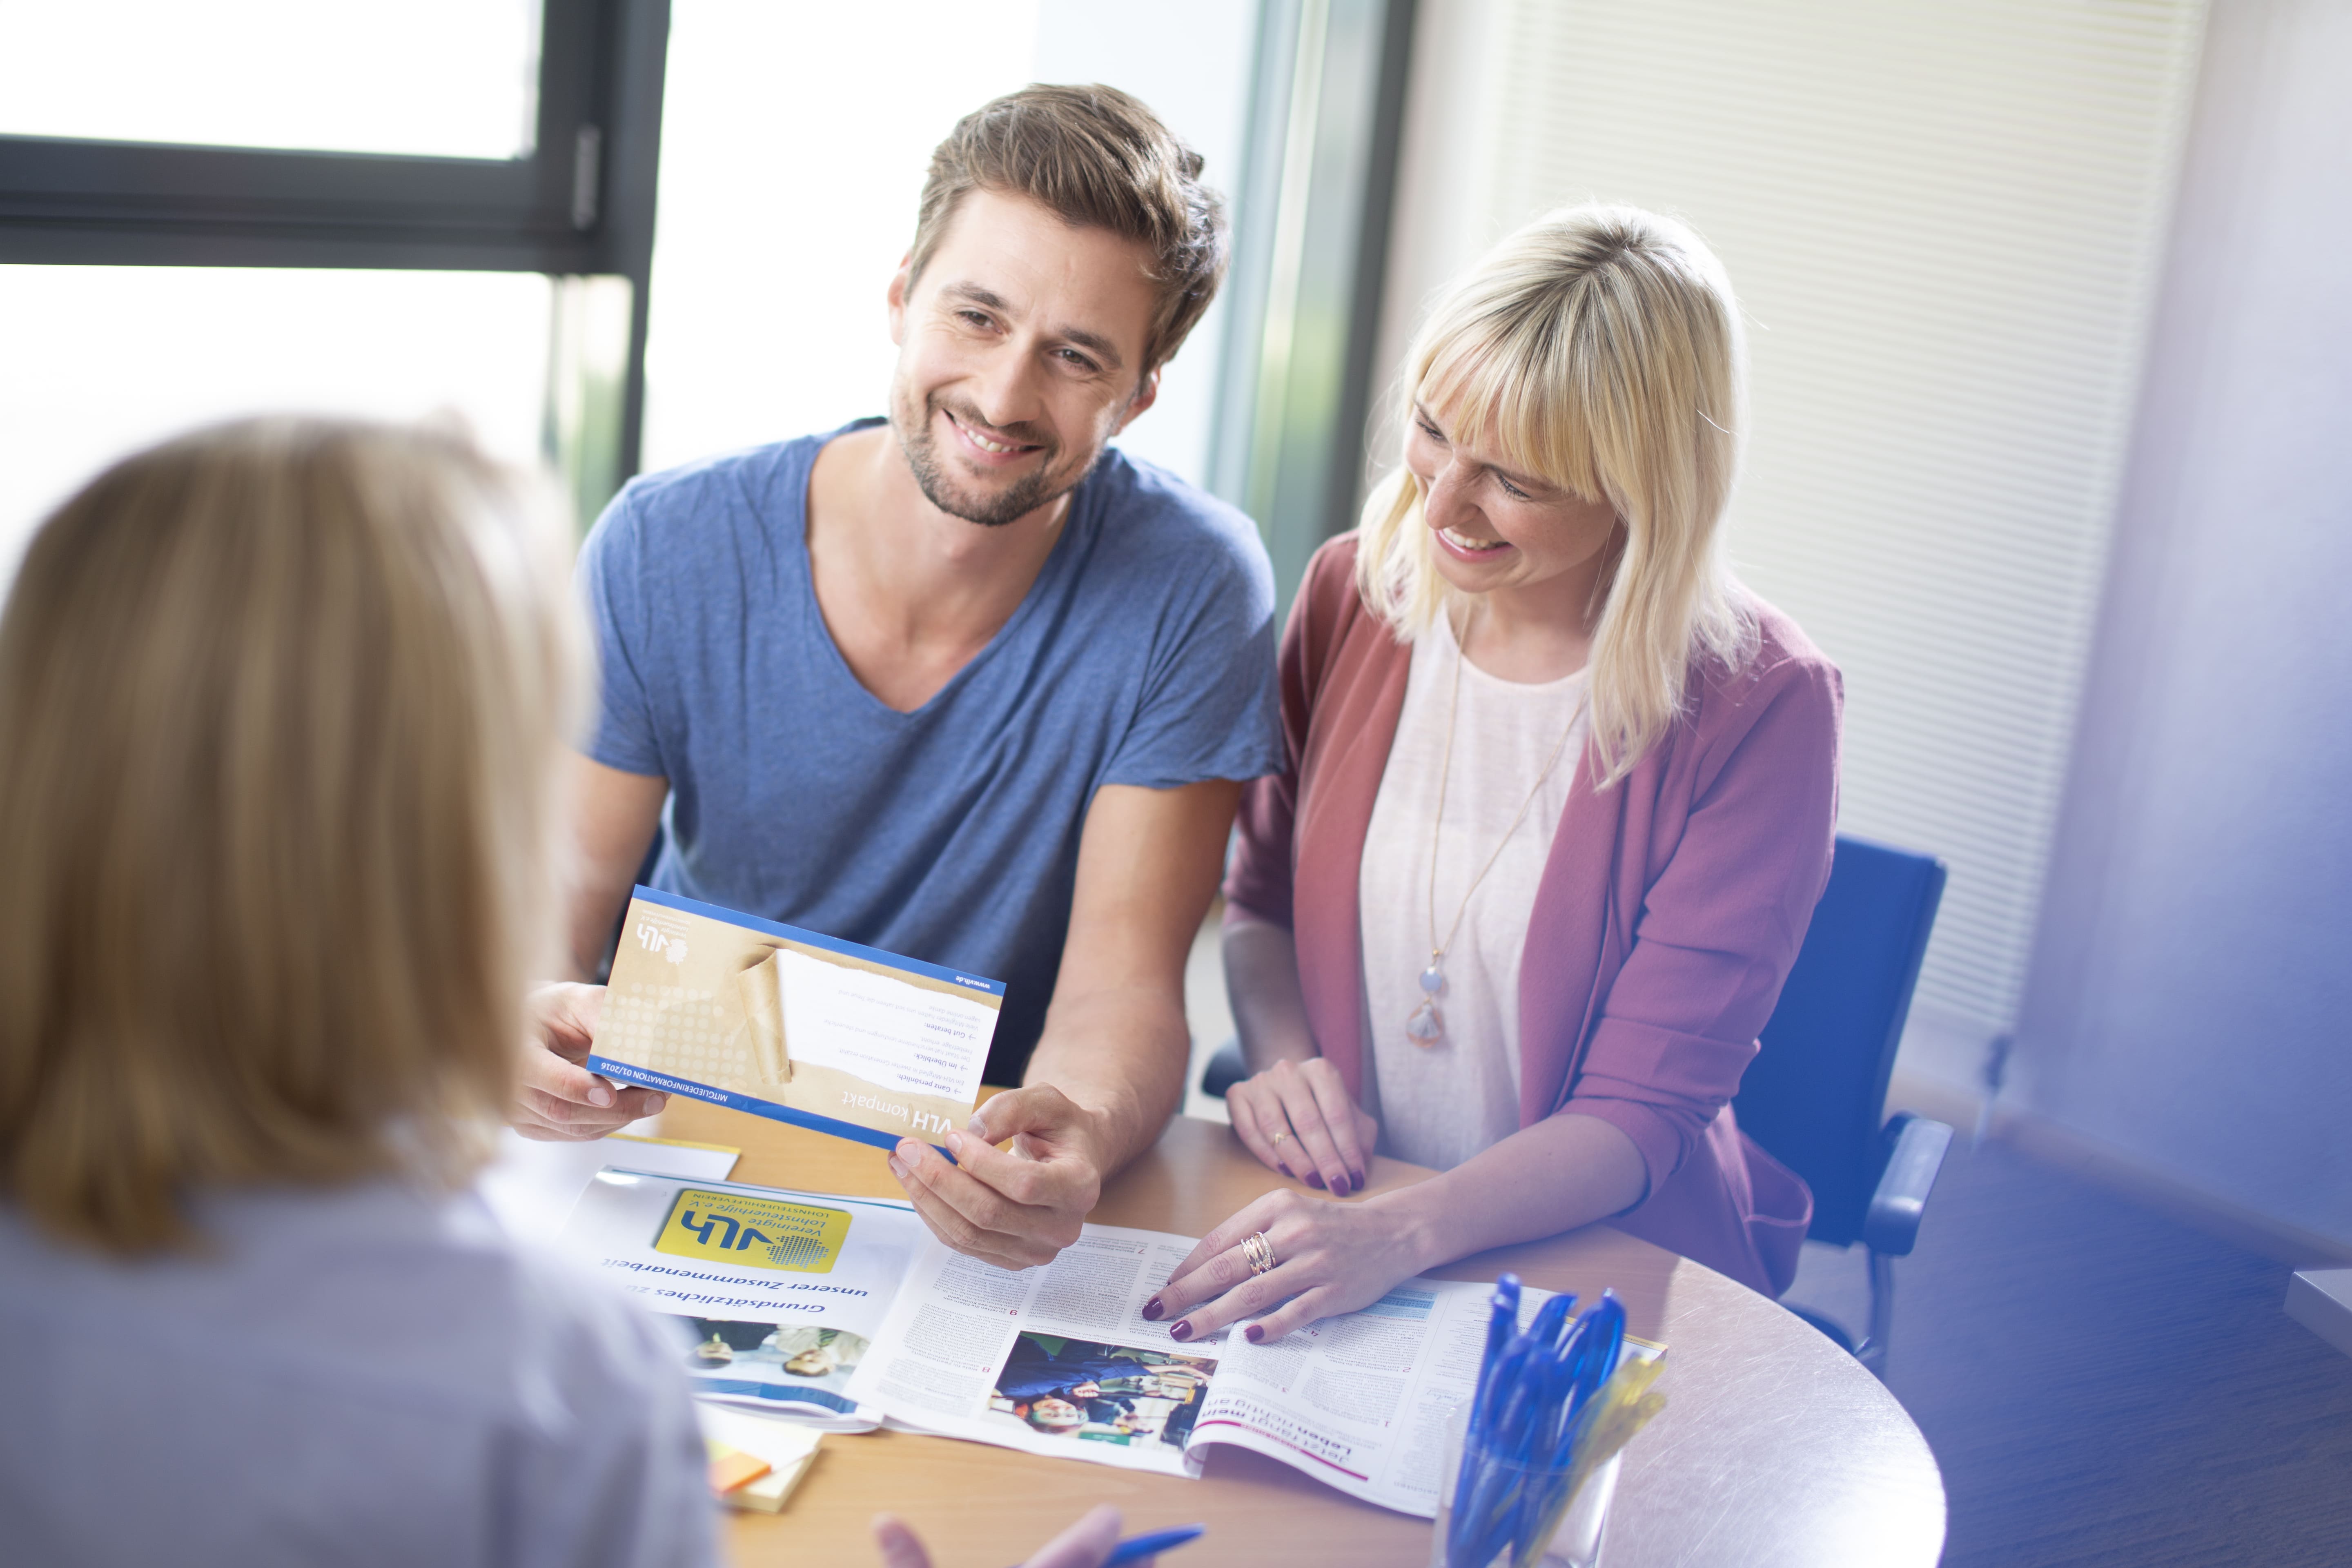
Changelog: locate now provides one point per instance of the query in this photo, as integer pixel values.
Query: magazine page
(1054, 1360)
(792, 1025)
(783, 1293)
(1360, 1402)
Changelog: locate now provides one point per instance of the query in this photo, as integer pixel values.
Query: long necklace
(1427, 1025)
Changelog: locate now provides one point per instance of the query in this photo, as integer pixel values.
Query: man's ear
(900, 283)
(1146, 393)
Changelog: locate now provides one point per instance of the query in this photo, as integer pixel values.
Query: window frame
(580, 203)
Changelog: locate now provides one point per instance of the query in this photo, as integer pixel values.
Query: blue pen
(1607, 1332)
(1552, 1383)
(1136, 1548)
(1494, 1429)
(1550, 1319)
(1503, 1316)
(1560, 1384)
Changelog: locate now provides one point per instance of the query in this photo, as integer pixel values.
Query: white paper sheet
(532, 1186)
(902, 1037)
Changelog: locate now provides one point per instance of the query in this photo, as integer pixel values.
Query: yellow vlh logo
(764, 1233)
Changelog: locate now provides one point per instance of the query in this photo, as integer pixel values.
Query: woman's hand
(1297, 1118)
(1329, 1258)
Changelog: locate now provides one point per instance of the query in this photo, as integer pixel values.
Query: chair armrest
(1225, 1069)
(1915, 1156)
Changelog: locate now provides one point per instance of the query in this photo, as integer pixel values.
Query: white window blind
(1944, 222)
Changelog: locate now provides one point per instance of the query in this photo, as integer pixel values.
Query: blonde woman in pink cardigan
(1559, 800)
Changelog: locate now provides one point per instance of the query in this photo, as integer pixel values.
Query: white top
(1439, 1104)
(359, 1377)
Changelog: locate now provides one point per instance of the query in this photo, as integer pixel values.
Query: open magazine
(1055, 1360)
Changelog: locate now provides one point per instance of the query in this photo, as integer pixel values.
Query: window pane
(456, 78)
(767, 317)
(100, 360)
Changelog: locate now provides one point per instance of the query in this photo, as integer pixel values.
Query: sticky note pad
(786, 1448)
(731, 1466)
(764, 1233)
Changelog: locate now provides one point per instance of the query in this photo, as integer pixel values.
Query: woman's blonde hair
(279, 707)
(1599, 349)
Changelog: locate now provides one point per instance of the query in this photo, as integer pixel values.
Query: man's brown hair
(1093, 155)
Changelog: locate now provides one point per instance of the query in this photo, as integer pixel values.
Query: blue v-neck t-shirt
(1143, 655)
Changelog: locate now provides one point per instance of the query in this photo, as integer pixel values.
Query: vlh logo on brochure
(765, 1233)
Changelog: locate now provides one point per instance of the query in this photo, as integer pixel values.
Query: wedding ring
(1259, 1251)
(1279, 1138)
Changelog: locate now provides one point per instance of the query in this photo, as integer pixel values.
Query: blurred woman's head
(1593, 365)
(279, 706)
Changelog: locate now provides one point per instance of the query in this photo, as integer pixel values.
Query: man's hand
(555, 1097)
(1015, 1209)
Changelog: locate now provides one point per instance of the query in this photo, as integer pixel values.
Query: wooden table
(1775, 1447)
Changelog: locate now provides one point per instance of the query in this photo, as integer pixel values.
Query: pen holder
(1503, 1501)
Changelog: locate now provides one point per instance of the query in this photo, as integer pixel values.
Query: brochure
(782, 1294)
(792, 1026)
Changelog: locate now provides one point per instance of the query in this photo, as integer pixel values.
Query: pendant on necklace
(1427, 1026)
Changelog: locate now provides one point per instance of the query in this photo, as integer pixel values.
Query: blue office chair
(1813, 1096)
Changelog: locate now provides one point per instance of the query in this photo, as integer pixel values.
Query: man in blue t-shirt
(966, 684)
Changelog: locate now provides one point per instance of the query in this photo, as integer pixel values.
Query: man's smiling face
(1020, 350)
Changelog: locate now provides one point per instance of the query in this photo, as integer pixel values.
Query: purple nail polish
(1284, 1169)
(1359, 1179)
(1180, 1330)
(1254, 1333)
(1314, 1178)
(1339, 1188)
(1152, 1309)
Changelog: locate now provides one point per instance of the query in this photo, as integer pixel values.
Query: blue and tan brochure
(794, 1025)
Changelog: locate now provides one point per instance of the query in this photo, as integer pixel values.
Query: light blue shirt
(1143, 655)
(357, 1377)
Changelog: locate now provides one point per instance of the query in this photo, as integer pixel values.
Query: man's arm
(614, 815)
(1109, 1070)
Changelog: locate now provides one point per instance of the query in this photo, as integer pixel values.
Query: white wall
(794, 139)
(1946, 223)
(1196, 78)
(2190, 1000)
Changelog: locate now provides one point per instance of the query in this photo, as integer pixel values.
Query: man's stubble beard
(921, 448)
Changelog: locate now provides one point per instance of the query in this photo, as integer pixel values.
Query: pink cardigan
(1665, 921)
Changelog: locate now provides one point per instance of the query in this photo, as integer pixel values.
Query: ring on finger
(1280, 1139)
(1258, 1252)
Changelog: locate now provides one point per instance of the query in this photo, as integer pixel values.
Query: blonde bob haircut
(1599, 350)
(280, 703)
